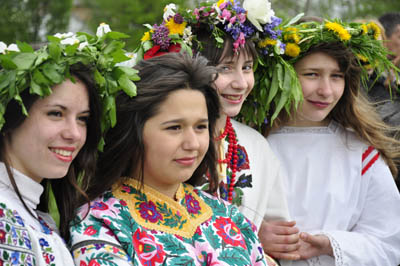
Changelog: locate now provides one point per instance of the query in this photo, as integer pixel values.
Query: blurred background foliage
(32, 20)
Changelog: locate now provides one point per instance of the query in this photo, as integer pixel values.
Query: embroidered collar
(156, 211)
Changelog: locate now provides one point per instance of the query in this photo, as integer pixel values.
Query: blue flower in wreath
(192, 204)
(148, 211)
(243, 160)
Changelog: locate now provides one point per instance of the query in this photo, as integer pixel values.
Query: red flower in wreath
(155, 51)
(192, 204)
(149, 252)
(229, 232)
(148, 211)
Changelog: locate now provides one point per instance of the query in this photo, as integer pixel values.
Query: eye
(174, 127)
(248, 67)
(310, 74)
(54, 113)
(338, 76)
(202, 126)
(84, 119)
(224, 68)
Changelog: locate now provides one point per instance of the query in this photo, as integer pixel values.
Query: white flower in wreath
(258, 12)
(3, 48)
(169, 11)
(70, 41)
(13, 47)
(187, 35)
(102, 29)
(82, 45)
(64, 35)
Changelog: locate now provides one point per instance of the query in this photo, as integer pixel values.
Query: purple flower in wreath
(160, 36)
(148, 211)
(192, 204)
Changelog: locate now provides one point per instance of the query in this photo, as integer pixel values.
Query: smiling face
(175, 140)
(235, 81)
(323, 84)
(48, 140)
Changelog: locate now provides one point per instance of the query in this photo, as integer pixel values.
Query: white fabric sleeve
(375, 238)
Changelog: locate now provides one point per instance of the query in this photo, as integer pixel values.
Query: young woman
(337, 156)
(46, 144)
(144, 208)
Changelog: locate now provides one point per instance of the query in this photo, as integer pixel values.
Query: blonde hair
(353, 110)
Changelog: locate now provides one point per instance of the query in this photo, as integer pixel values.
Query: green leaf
(39, 77)
(71, 49)
(54, 51)
(35, 88)
(100, 80)
(127, 85)
(274, 87)
(7, 63)
(115, 35)
(182, 261)
(119, 56)
(24, 60)
(295, 19)
(219, 40)
(53, 39)
(5, 79)
(50, 71)
(112, 46)
(24, 47)
(130, 72)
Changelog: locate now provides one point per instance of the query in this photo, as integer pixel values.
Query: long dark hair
(67, 189)
(160, 76)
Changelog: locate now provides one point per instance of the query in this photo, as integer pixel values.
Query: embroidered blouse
(340, 187)
(133, 226)
(25, 240)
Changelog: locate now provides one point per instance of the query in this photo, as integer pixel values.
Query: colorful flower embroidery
(90, 231)
(148, 250)
(243, 161)
(149, 212)
(192, 204)
(229, 232)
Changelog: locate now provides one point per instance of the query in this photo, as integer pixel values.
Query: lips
(63, 153)
(233, 98)
(319, 104)
(186, 161)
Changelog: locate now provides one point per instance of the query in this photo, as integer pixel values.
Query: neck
(220, 125)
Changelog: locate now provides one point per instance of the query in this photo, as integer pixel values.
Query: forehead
(317, 60)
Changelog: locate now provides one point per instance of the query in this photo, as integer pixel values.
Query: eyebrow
(65, 108)
(203, 120)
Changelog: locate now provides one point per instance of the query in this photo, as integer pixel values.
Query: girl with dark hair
(144, 209)
(338, 154)
(50, 132)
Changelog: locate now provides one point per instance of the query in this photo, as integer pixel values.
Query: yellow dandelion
(343, 34)
(175, 28)
(375, 29)
(264, 43)
(292, 49)
(362, 58)
(364, 29)
(146, 36)
(290, 34)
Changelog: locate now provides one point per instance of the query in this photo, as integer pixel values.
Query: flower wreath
(253, 21)
(362, 39)
(23, 68)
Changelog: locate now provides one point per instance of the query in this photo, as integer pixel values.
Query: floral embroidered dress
(25, 240)
(258, 189)
(131, 226)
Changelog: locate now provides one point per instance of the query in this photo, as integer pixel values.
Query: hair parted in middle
(159, 76)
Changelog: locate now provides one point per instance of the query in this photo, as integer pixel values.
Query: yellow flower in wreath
(375, 29)
(146, 36)
(343, 34)
(175, 28)
(264, 43)
(292, 49)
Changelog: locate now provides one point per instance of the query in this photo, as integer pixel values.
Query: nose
(324, 87)
(73, 131)
(191, 140)
(239, 80)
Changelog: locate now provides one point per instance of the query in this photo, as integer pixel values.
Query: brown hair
(353, 110)
(160, 76)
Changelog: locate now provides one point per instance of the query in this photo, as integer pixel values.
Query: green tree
(31, 20)
(344, 9)
(127, 16)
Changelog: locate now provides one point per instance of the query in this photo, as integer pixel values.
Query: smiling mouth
(232, 97)
(319, 104)
(186, 161)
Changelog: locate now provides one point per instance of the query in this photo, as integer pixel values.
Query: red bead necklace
(232, 150)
